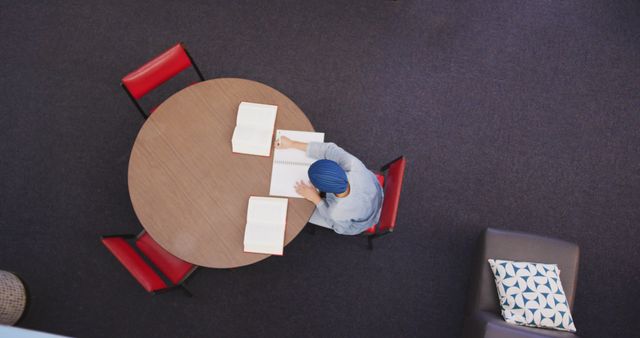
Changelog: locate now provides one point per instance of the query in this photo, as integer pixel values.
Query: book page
(267, 210)
(252, 141)
(291, 165)
(266, 222)
(257, 116)
(264, 238)
(244, 134)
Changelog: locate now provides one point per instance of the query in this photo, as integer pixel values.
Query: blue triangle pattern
(541, 270)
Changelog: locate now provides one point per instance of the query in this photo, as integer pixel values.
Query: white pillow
(531, 295)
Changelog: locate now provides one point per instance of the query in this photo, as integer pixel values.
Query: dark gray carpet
(513, 114)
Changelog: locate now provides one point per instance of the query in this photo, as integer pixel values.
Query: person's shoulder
(339, 208)
(356, 164)
(368, 185)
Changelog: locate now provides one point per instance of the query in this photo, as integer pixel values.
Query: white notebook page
(291, 165)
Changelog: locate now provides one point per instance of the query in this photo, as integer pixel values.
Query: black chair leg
(135, 102)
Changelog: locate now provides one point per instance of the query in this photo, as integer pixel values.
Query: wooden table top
(189, 191)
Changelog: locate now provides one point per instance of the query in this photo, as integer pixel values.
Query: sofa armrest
(483, 324)
(518, 246)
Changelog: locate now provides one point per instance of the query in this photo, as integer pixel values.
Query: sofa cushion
(531, 294)
(483, 324)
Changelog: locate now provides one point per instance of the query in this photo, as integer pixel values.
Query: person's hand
(284, 143)
(308, 191)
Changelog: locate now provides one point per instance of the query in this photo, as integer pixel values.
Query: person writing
(353, 197)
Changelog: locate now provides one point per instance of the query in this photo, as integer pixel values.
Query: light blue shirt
(357, 211)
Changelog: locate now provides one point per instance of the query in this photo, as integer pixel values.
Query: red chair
(156, 72)
(175, 269)
(390, 179)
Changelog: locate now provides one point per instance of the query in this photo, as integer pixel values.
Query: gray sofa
(482, 311)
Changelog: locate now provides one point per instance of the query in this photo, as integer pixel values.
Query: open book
(266, 220)
(254, 129)
(291, 165)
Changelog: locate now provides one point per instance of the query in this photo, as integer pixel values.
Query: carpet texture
(520, 115)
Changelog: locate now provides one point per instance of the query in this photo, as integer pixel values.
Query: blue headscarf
(327, 176)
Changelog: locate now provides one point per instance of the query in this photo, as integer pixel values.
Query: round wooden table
(189, 191)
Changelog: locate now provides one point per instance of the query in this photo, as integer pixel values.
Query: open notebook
(254, 129)
(291, 165)
(266, 220)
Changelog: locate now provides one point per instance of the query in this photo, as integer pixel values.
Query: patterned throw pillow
(531, 295)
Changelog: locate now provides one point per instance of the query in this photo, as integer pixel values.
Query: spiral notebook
(291, 165)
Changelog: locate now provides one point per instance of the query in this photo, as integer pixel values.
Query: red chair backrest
(132, 261)
(157, 71)
(392, 188)
(171, 266)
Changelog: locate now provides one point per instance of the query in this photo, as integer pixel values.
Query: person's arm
(286, 143)
(320, 150)
(308, 191)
